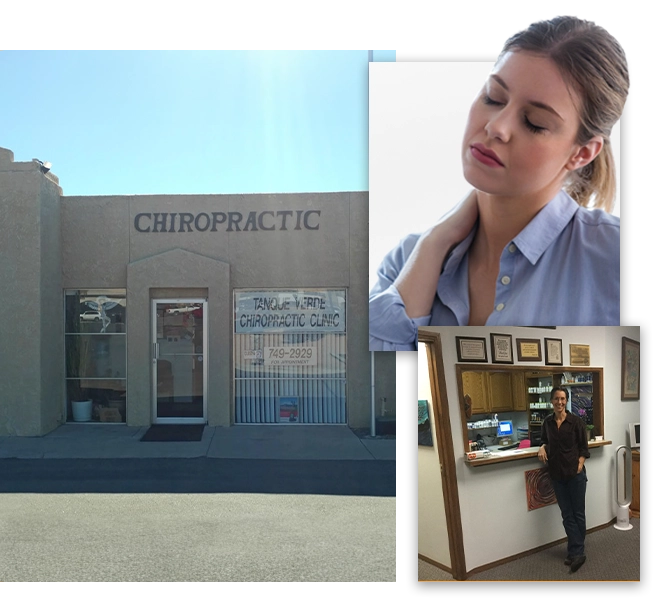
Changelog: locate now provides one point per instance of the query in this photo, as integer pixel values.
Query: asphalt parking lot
(242, 504)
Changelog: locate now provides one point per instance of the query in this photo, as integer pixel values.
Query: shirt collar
(532, 241)
(545, 227)
(570, 417)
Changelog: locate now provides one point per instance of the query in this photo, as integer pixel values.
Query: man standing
(564, 448)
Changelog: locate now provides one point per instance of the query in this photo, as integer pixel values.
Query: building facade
(217, 309)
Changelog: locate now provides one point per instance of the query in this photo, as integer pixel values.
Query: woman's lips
(485, 155)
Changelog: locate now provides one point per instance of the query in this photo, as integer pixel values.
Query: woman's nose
(499, 125)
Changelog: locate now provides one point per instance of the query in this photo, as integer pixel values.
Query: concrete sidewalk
(299, 442)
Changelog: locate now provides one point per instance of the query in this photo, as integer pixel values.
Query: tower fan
(623, 504)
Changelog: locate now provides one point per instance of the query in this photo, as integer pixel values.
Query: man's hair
(593, 63)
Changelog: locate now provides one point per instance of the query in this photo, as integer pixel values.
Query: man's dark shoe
(578, 561)
(569, 560)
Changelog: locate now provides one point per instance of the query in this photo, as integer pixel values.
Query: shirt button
(512, 248)
(499, 307)
(506, 280)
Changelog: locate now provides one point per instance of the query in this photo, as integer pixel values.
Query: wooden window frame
(555, 372)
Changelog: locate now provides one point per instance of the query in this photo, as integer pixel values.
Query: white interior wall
(496, 522)
(432, 535)
(618, 413)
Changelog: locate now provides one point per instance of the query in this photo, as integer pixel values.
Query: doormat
(173, 433)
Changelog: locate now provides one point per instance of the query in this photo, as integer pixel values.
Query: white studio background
(417, 116)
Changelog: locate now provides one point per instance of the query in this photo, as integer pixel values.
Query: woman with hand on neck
(536, 151)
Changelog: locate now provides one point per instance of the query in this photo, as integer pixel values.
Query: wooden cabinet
(634, 505)
(475, 385)
(500, 392)
(519, 391)
(494, 392)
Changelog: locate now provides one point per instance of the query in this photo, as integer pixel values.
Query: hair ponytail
(595, 66)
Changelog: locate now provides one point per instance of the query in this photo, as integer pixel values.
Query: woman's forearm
(418, 280)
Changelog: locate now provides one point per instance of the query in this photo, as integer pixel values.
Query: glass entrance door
(179, 347)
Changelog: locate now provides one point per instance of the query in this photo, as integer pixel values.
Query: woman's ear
(585, 154)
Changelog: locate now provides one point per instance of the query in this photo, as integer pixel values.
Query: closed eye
(533, 128)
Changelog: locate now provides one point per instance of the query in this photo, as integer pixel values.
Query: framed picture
(501, 348)
(629, 369)
(580, 355)
(424, 437)
(553, 352)
(288, 409)
(471, 349)
(529, 350)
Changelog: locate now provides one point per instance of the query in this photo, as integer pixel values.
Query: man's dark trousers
(571, 499)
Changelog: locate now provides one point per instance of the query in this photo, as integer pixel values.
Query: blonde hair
(594, 63)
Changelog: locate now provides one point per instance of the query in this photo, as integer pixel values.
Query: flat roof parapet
(7, 164)
(6, 157)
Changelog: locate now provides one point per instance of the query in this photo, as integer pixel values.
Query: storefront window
(290, 356)
(95, 354)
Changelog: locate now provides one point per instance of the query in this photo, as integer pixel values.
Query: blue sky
(190, 122)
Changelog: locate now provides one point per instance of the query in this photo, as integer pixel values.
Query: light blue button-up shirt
(562, 269)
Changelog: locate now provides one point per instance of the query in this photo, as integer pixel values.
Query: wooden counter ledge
(493, 459)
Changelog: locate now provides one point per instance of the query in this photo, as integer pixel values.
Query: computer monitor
(633, 429)
(505, 429)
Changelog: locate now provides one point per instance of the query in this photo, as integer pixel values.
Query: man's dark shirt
(564, 445)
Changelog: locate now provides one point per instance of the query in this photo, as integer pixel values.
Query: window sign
(290, 356)
(290, 311)
(288, 410)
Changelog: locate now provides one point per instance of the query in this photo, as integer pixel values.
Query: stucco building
(217, 309)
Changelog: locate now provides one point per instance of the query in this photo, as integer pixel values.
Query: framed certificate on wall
(529, 350)
(580, 355)
(553, 352)
(471, 349)
(501, 348)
